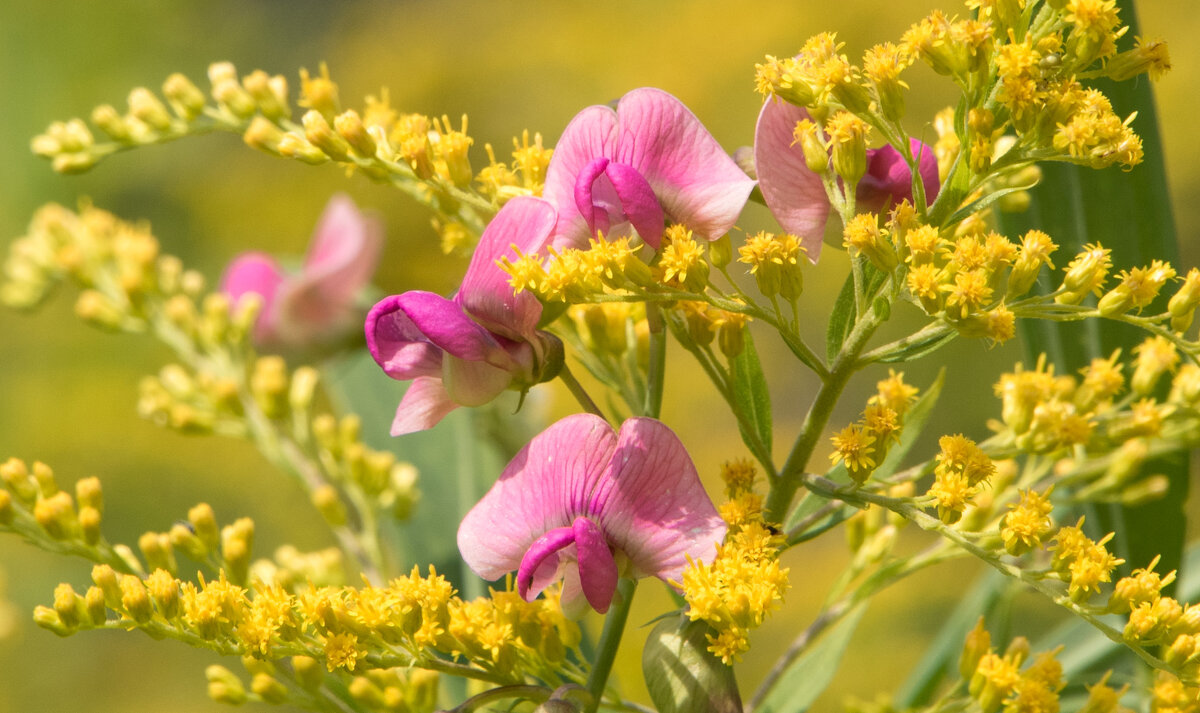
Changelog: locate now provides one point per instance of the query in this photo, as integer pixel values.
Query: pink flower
(466, 350)
(317, 306)
(579, 499)
(649, 160)
(796, 195)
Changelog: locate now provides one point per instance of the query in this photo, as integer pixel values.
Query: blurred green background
(67, 393)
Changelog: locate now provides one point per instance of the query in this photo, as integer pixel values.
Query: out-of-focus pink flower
(651, 159)
(466, 350)
(316, 306)
(587, 504)
(796, 195)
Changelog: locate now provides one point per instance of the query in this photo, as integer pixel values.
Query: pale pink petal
(597, 568)
(652, 505)
(544, 487)
(344, 251)
(794, 194)
(573, 602)
(888, 179)
(259, 274)
(485, 294)
(697, 183)
(399, 347)
(473, 383)
(591, 134)
(425, 403)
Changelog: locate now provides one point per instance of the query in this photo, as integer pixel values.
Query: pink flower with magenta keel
(318, 305)
(796, 195)
(648, 161)
(466, 350)
(586, 504)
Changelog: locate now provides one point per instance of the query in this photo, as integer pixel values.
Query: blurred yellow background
(67, 393)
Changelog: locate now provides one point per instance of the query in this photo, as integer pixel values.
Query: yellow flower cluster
(1157, 620)
(1019, 685)
(862, 446)
(1170, 695)
(1082, 562)
(744, 582)
(572, 275)
(774, 260)
(961, 471)
(412, 621)
(1045, 412)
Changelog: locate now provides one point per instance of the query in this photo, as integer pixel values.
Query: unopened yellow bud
(156, 549)
(1118, 300)
(204, 525)
(224, 686)
(1145, 490)
(304, 385)
(185, 98)
(111, 123)
(147, 107)
(99, 310)
(720, 252)
(94, 604)
(43, 475)
(237, 542)
(48, 619)
(268, 689)
(234, 98)
(68, 605)
(329, 504)
(404, 490)
(816, 157)
(135, 600)
(848, 138)
(350, 126)
(321, 135)
(269, 385)
(363, 691)
(263, 135)
(107, 581)
(89, 525)
(56, 515)
(309, 672)
(6, 508)
(978, 643)
(269, 93)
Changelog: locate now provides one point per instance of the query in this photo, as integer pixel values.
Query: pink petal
(425, 403)
(443, 323)
(544, 487)
(795, 195)
(591, 134)
(638, 203)
(889, 181)
(397, 344)
(344, 251)
(697, 183)
(651, 504)
(597, 568)
(486, 294)
(543, 551)
(255, 273)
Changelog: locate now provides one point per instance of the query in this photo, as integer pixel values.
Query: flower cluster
(744, 582)
(862, 446)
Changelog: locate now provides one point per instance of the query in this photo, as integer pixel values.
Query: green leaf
(942, 654)
(976, 206)
(1130, 213)
(682, 675)
(752, 399)
(919, 348)
(841, 321)
(810, 674)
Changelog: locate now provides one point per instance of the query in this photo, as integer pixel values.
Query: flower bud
(94, 603)
(350, 126)
(135, 600)
(99, 311)
(319, 133)
(815, 155)
(147, 107)
(269, 93)
(268, 689)
(56, 515)
(112, 123)
(224, 686)
(89, 525)
(263, 135)
(237, 542)
(309, 672)
(269, 385)
(185, 98)
(327, 501)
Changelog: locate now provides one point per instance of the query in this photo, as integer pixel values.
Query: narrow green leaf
(752, 399)
(681, 674)
(942, 654)
(811, 673)
(919, 349)
(976, 206)
(1130, 213)
(841, 321)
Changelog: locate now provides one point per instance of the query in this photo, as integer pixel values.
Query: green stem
(610, 641)
(577, 390)
(658, 360)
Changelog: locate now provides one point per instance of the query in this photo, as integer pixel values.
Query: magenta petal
(652, 505)
(397, 344)
(590, 135)
(696, 182)
(544, 487)
(473, 383)
(444, 324)
(888, 180)
(795, 195)
(594, 213)
(597, 568)
(425, 403)
(486, 295)
(542, 548)
(639, 205)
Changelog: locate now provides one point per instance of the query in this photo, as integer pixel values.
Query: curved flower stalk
(317, 305)
(648, 161)
(796, 195)
(586, 504)
(466, 350)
